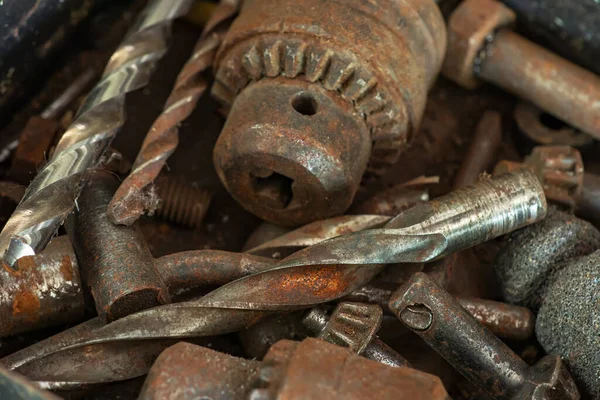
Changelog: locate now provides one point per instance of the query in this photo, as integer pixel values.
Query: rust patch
(26, 303)
(66, 268)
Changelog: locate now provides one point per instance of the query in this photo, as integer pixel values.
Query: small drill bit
(131, 200)
(52, 195)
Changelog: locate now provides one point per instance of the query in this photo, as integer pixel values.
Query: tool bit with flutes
(53, 193)
(132, 199)
(456, 221)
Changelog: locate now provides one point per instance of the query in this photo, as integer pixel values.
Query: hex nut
(468, 27)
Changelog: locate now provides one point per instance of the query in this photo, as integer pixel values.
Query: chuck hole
(305, 104)
(274, 189)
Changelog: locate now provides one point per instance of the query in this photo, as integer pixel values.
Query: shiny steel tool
(315, 275)
(53, 193)
(131, 199)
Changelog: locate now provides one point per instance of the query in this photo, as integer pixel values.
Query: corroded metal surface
(132, 199)
(318, 274)
(474, 351)
(355, 326)
(309, 60)
(207, 268)
(313, 369)
(360, 320)
(559, 169)
(530, 121)
(315, 232)
(180, 202)
(52, 194)
(392, 201)
(482, 48)
(502, 319)
(115, 261)
(42, 290)
(482, 151)
(188, 372)
(552, 83)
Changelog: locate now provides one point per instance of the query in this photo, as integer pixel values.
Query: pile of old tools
(394, 261)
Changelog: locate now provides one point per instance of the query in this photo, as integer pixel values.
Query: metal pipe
(482, 151)
(554, 84)
(116, 262)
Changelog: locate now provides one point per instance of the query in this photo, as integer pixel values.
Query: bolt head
(468, 29)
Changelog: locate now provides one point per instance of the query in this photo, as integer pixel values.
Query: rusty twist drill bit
(51, 196)
(131, 199)
(318, 274)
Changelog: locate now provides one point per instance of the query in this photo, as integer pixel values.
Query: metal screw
(180, 202)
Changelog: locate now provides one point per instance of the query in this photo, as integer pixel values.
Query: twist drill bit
(318, 274)
(131, 200)
(52, 194)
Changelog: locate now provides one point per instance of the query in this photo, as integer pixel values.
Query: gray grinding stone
(533, 254)
(568, 323)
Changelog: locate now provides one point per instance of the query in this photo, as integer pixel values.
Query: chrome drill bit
(426, 232)
(315, 275)
(52, 194)
(131, 199)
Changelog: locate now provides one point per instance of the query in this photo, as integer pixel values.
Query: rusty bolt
(180, 202)
(481, 48)
(308, 115)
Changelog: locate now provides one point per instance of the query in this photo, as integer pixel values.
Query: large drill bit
(318, 274)
(131, 199)
(51, 196)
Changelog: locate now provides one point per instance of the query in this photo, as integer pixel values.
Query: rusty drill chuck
(318, 93)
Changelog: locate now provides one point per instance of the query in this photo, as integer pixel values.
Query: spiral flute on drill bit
(318, 274)
(131, 200)
(53, 193)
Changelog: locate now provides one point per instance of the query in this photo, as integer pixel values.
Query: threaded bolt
(180, 202)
